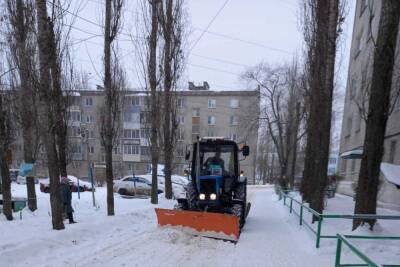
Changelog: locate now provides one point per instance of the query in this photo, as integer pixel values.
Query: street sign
(25, 169)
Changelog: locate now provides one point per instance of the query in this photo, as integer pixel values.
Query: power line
(220, 60)
(208, 25)
(213, 69)
(243, 41)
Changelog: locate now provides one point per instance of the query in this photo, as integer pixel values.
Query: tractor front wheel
(238, 211)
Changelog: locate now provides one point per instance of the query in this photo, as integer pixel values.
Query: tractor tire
(191, 196)
(239, 212)
(240, 192)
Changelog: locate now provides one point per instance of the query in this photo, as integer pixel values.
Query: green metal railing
(320, 218)
(344, 239)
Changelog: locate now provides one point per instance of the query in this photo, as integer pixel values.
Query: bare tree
(153, 83)
(109, 130)
(50, 93)
(21, 17)
(282, 112)
(379, 109)
(172, 29)
(321, 22)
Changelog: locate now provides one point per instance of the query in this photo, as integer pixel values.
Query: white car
(83, 186)
(178, 184)
(132, 185)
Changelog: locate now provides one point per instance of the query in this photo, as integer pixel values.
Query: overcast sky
(243, 34)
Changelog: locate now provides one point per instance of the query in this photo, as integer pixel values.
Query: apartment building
(353, 127)
(201, 112)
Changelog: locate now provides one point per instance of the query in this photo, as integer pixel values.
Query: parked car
(132, 185)
(178, 184)
(83, 186)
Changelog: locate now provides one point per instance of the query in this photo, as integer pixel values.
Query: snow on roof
(391, 172)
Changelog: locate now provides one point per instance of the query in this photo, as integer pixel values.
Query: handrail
(320, 217)
(341, 239)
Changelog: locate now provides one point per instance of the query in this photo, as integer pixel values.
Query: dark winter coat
(66, 196)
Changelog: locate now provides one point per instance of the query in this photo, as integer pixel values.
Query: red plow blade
(209, 224)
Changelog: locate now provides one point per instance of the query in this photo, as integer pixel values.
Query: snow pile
(271, 236)
(391, 172)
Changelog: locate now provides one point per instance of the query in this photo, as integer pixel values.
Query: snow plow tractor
(216, 196)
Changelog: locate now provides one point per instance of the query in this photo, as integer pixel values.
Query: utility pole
(85, 133)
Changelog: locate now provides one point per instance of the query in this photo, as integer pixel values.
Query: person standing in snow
(66, 197)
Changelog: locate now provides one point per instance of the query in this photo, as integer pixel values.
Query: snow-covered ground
(271, 237)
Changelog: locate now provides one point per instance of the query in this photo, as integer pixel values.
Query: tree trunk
(378, 111)
(5, 139)
(168, 104)
(152, 73)
(321, 89)
(6, 186)
(46, 106)
(108, 120)
(28, 118)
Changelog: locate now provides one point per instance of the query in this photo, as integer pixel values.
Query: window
(195, 129)
(91, 134)
(89, 118)
(76, 149)
(234, 120)
(142, 117)
(131, 149)
(353, 165)
(75, 131)
(181, 119)
(144, 133)
(144, 150)
(91, 149)
(343, 166)
(89, 101)
(233, 136)
(234, 103)
(132, 134)
(180, 134)
(392, 151)
(180, 103)
(135, 101)
(211, 133)
(117, 150)
(180, 151)
(212, 103)
(332, 160)
(75, 101)
(133, 117)
(196, 112)
(74, 116)
(211, 120)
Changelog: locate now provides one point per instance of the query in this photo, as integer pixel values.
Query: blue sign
(25, 169)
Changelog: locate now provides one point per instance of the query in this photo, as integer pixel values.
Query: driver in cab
(215, 161)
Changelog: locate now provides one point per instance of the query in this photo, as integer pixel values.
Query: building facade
(201, 112)
(356, 101)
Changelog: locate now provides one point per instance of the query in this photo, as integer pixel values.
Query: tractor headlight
(202, 196)
(213, 196)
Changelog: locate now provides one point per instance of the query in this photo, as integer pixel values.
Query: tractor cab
(214, 170)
